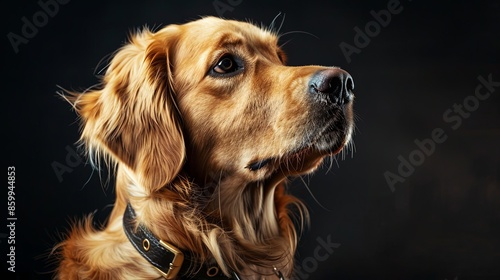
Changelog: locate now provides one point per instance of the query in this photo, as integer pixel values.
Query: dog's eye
(227, 65)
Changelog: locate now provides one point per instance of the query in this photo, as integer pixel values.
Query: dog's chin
(308, 156)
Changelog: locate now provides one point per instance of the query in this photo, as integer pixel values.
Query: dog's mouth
(254, 166)
(327, 141)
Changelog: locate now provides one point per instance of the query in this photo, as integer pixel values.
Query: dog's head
(248, 113)
(215, 96)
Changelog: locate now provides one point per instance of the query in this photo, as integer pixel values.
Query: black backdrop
(418, 199)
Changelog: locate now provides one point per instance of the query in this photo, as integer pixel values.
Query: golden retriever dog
(202, 125)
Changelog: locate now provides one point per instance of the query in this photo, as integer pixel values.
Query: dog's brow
(251, 45)
(229, 40)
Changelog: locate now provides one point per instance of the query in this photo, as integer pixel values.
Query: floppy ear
(133, 119)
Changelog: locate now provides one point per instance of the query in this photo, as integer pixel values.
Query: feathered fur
(180, 139)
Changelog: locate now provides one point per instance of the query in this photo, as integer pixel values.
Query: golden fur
(181, 139)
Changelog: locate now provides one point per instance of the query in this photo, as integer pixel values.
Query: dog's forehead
(202, 42)
(221, 31)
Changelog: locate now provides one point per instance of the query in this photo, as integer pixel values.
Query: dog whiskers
(306, 185)
(299, 32)
(271, 26)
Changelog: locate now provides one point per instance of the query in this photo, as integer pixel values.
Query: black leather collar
(170, 261)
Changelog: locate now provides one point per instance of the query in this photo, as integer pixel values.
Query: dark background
(441, 222)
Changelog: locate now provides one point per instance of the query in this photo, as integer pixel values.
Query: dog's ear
(133, 119)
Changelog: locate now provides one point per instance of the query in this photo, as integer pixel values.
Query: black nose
(335, 84)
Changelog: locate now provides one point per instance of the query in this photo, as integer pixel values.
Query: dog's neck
(242, 228)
